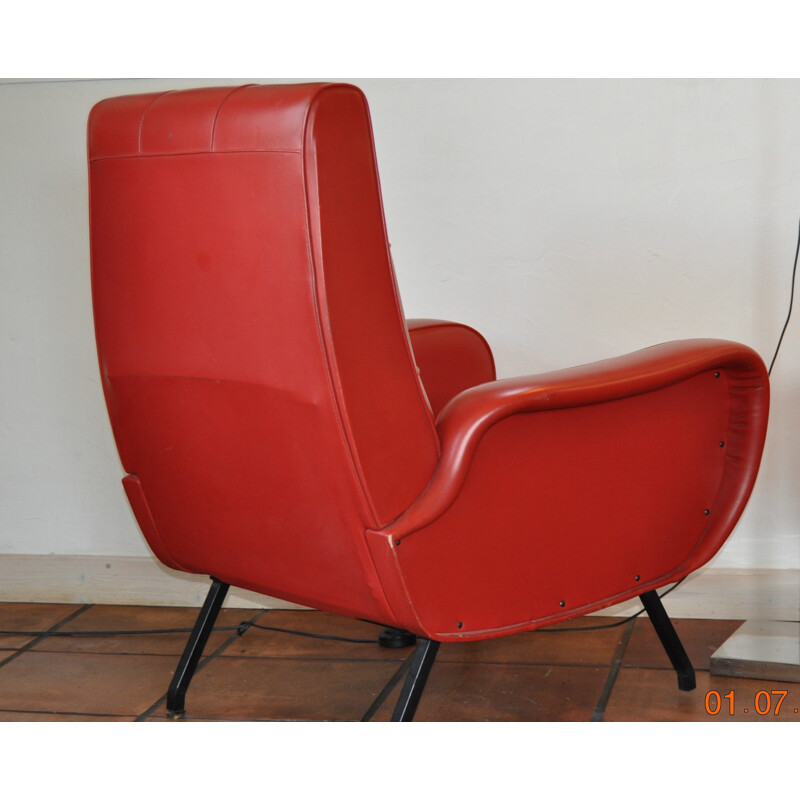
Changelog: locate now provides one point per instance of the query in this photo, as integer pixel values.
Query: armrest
(468, 416)
(451, 357)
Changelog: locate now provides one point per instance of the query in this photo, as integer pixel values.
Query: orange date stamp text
(762, 703)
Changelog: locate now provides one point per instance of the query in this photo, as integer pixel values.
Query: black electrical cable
(610, 624)
(247, 625)
(111, 633)
(791, 303)
(241, 628)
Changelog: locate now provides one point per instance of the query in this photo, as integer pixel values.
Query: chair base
(395, 638)
(420, 662)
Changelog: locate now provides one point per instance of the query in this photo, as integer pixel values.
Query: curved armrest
(467, 417)
(451, 357)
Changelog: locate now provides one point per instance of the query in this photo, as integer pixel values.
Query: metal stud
(563, 603)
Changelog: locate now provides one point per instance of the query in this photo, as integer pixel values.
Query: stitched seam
(156, 531)
(196, 153)
(144, 114)
(219, 109)
(402, 578)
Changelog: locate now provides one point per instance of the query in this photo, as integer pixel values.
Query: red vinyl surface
(451, 357)
(279, 433)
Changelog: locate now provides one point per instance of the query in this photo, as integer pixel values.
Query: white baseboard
(772, 594)
(124, 580)
(111, 580)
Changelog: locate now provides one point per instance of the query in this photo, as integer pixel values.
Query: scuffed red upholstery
(267, 407)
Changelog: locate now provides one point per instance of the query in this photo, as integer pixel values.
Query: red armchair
(284, 430)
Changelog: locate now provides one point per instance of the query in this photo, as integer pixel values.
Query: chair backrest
(252, 344)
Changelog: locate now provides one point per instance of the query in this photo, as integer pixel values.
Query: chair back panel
(252, 346)
(386, 413)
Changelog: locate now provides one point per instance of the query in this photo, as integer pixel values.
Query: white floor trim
(119, 580)
(769, 594)
(111, 580)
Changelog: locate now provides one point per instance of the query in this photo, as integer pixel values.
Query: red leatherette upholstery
(590, 486)
(253, 351)
(270, 415)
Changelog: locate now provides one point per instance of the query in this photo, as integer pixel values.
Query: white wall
(567, 220)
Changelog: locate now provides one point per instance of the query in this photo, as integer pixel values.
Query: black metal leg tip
(687, 683)
(176, 713)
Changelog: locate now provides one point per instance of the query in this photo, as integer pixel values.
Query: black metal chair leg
(176, 695)
(672, 644)
(421, 663)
